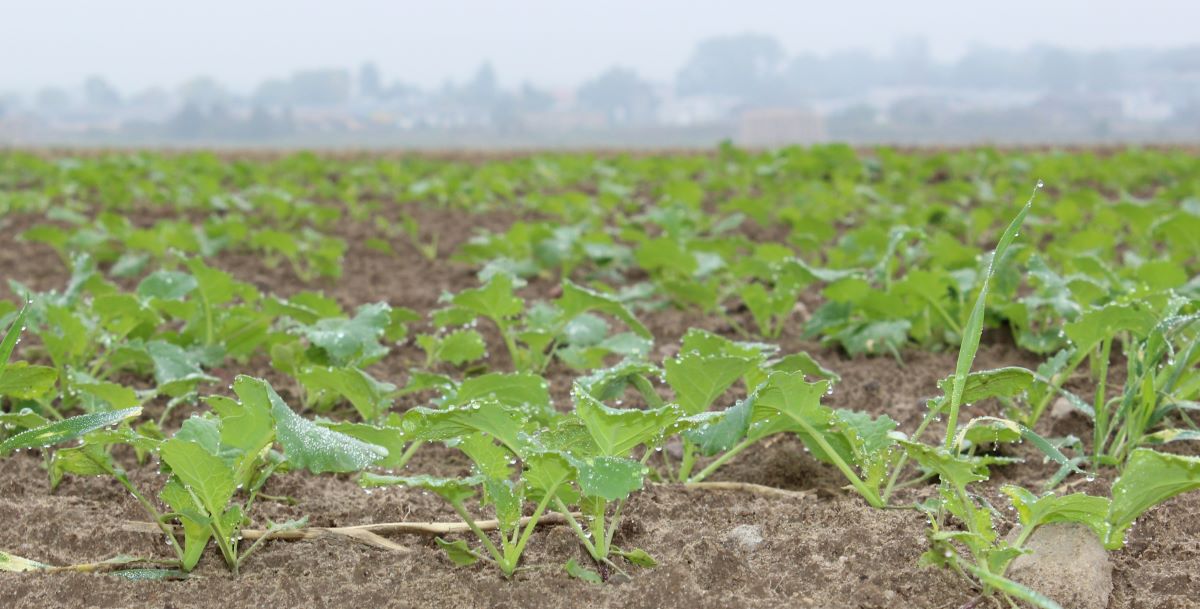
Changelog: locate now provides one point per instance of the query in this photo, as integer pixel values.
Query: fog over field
(545, 73)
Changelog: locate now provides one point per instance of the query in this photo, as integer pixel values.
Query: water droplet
(1040, 184)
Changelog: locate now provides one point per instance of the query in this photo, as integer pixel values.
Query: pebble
(1068, 564)
(748, 537)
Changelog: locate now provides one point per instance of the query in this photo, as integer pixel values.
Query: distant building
(768, 127)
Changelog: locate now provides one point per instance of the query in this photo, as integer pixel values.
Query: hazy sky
(138, 43)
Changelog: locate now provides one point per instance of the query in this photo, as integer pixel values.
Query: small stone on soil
(745, 536)
(1068, 564)
(1061, 409)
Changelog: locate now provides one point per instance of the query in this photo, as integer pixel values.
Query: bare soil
(825, 549)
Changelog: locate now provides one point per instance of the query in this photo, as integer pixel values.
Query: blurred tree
(483, 89)
(737, 66)
(369, 83)
(620, 93)
(533, 99)
(306, 88)
(53, 100)
(851, 72)
(1057, 69)
(321, 87)
(189, 123)
(100, 95)
(913, 64)
(204, 91)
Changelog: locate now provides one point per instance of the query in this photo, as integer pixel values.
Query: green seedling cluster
(866, 255)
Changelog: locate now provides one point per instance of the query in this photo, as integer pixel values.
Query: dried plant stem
(370, 534)
(746, 487)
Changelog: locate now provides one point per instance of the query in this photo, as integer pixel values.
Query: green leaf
(1165, 436)
(215, 287)
(638, 557)
(65, 430)
(617, 431)
(1149, 478)
(149, 574)
(22, 419)
(1034, 511)
(204, 473)
(112, 395)
(875, 337)
(167, 285)
(576, 299)
(505, 497)
(578, 571)
(86, 460)
(491, 459)
(973, 330)
(725, 431)
(308, 445)
(204, 431)
(356, 340)
(488, 416)
(609, 478)
(457, 347)
(794, 404)
(370, 397)
(388, 436)
(704, 342)
(494, 300)
(176, 371)
(26, 382)
(803, 362)
(454, 490)
(547, 471)
(1000, 382)
(585, 330)
(305, 444)
(527, 392)
(1098, 324)
(246, 425)
(12, 336)
(954, 469)
(610, 383)
(458, 552)
(989, 430)
(196, 525)
(665, 254)
(1048, 449)
(870, 442)
(698, 380)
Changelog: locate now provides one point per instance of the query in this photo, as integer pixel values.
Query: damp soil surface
(818, 546)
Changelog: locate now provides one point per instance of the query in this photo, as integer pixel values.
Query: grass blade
(974, 328)
(1012, 588)
(67, 429)
(11, 337)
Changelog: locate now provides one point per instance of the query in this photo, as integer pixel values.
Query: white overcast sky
(139, 43)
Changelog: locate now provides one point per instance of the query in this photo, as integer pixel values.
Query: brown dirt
(826, 550)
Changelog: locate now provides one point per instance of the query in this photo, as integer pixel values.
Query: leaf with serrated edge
(1149, 478)
(306, 444)
(698, 380)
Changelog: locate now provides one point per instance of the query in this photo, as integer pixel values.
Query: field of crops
(809, 377)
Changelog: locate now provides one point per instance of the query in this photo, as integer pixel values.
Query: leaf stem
(721, 460)
(574, 524)
(487, 541)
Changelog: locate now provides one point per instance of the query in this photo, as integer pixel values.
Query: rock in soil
(1068, 564)
(745, 536)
